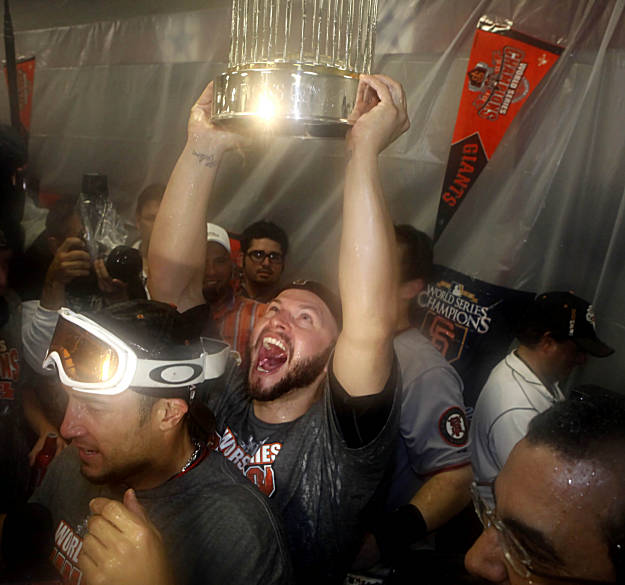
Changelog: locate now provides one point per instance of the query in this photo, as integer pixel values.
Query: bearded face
(290, 345)
(302, 374)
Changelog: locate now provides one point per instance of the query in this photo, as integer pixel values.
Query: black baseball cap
(569, 316)
(332, 301)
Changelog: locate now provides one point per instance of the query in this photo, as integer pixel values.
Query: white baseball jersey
(512, 396)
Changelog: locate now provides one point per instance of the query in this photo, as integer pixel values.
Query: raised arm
(367, 261)
(177, 251)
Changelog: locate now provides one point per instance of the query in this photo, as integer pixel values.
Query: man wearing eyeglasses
(264, 246)
(559, 511)
(234, 316)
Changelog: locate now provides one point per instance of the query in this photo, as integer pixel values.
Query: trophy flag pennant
(504, 68)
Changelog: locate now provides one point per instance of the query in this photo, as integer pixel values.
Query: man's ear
(240, 259)
(170, 412)
(410, 289)
(547, 342)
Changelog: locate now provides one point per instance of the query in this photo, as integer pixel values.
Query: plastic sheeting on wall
(547, 213)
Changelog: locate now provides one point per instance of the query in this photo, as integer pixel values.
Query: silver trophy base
(286, 99)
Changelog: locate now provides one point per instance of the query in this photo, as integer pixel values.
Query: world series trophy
(294, 65)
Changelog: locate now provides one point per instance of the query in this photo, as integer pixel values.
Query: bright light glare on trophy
(266, 108)
(295, 63)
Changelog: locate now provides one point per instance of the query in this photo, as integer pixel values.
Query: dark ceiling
(37, 14)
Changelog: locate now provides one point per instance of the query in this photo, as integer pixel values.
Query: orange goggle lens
(84, 357)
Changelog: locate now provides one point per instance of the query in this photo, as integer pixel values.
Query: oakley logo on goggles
(89, 358)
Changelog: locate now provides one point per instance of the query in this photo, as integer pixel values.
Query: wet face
(265, 271)
(218, 272)
(115, 440)
(145, 221)
(562, 357)
(556, 509)
(290, 345)
(5, 259)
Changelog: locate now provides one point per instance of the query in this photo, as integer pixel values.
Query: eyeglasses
(258, 256)
(514, 552)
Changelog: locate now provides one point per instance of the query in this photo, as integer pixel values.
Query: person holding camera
(73, 279)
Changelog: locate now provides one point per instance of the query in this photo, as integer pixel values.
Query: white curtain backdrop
(547, 213)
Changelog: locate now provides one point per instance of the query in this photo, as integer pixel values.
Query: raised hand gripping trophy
(294, 65)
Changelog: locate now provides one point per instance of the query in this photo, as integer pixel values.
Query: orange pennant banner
(504, 68)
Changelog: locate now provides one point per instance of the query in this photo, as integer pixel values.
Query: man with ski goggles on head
(138, 476)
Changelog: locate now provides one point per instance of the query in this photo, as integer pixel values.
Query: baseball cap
(215, 233)
(569, 316)
(332, 301)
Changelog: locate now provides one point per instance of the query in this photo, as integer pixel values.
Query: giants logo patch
(453, 426)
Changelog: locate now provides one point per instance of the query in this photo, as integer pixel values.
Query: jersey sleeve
(361, 418)
(38, 326)
(433, 422)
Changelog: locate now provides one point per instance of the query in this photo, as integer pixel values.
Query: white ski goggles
(89, 358)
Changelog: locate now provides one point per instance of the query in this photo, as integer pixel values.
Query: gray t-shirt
(216, 527)
(321, 486)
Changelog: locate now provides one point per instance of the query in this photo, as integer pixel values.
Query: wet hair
(152, 192)
(590, 427)
(417, 254)
(59, 215)
(264, 229)
(150, 328)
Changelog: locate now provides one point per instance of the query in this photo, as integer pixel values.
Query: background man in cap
(556, 334)
(234, 316)
(264, 246)
(560, 514)
(139, 464)
(316, 435)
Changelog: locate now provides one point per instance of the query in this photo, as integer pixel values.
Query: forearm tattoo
(208, 160)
